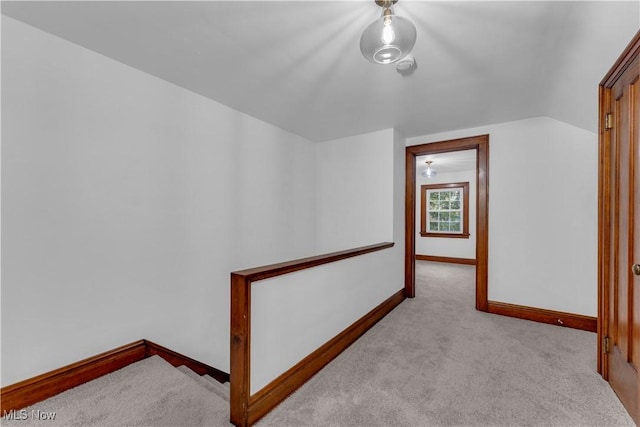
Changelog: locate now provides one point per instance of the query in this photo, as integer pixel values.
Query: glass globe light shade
(428, 172)
(388, 39)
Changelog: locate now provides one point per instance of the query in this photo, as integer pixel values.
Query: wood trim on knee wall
(41, 387)
(451, 260)
(559, 318)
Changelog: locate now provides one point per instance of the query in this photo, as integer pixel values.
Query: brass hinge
(608, 121)
(605, 345)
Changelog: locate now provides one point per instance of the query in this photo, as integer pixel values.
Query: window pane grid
(445, 211)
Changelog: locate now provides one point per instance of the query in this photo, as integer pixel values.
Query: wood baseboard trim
(451, 260)
(177, 359)
(28, 392)
(559, 318)
(275, 392)
(41, 387)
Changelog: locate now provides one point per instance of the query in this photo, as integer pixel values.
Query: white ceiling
(297, 64)
(455, 161)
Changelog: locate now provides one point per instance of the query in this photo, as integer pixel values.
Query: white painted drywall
(128, 200)
(542, 213)
(354, 191)
(399, 190)
(323, 300)
(126, 203)
(445, 246)
(352, 212)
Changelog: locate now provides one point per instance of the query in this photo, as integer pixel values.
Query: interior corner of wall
(568, 125)
(398, 135)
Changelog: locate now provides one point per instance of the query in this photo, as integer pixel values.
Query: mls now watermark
(24, 415)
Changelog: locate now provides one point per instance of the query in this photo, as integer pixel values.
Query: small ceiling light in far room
(428, 172)
(389, 38)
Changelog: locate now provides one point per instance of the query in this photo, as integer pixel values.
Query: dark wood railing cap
(273, 270)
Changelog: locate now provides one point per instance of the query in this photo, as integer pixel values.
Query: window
(444, 211)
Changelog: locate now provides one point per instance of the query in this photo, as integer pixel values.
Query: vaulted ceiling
(297, 64)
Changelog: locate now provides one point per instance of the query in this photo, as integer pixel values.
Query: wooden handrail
(240, 366)
(273, 270)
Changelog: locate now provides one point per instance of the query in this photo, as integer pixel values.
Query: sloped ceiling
(297, 64)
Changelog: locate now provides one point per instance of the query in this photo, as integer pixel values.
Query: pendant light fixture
(389, 38)
(428, 172)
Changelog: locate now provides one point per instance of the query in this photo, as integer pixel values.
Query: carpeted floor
(433, 361)
(147, 393)
(436, 361)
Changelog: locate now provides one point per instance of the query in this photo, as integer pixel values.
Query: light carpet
(147, 393)
(436, 361)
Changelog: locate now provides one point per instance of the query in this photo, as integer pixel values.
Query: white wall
(323, 300)
(542, 213)
(443, 246)
(399, 190)
(354, 192)
(126, 203)
(352, 211)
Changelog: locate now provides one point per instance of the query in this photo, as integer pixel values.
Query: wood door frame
(481, 144)
(605, 163)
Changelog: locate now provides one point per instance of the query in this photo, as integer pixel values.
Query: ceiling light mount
(389, 38)
(386, 3)
(406, 65)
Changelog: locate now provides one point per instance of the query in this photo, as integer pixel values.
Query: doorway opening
(481, 145)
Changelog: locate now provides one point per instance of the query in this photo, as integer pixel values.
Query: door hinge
(605, 345)
(608, 121)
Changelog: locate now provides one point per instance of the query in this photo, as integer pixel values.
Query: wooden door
(620, 228)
